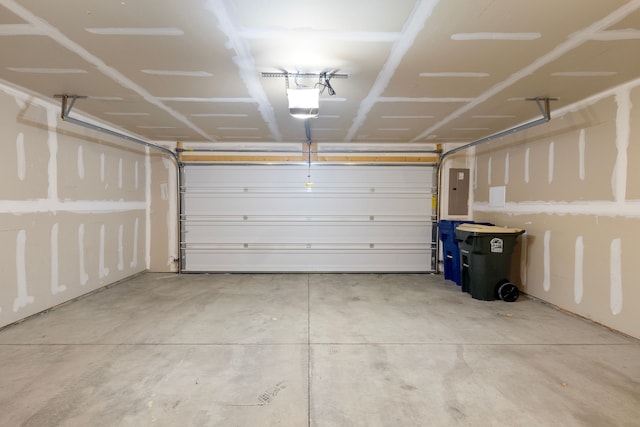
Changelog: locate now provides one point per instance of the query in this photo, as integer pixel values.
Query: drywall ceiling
(419, 71)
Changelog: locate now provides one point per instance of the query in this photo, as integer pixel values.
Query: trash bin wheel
(508, 292)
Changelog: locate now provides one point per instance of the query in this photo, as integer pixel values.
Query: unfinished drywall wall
(73, 208)
(163, 213)
(572, 186)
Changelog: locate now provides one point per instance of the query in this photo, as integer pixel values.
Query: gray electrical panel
(458, 191)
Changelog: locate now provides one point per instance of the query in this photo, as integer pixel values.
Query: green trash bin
(485, 261)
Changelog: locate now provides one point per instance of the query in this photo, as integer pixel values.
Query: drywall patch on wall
(52, 143)
(475, 172)
(120, 166)
(103, 271)
(80, 162)
(21, 161)
(17, 207)
(552, 147)
(56, 287)
(578, 271)
(546, 284)
(164, 191)
(616, 276)
(136, 176)
(23, 299)
(582, 143)
(527, 155)
(523, 258)
(506, 169)
(120, 247)
(623, 132)
(134, 261)
(84, 277)
(629, 209)
(102, 166)
(147, 186)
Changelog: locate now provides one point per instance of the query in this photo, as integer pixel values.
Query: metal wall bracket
(65, 106)
(543, 105)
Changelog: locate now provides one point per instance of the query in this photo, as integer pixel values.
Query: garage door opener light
(304, 101)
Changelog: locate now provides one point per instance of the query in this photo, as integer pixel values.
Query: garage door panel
(221, 176)
(295, 175)
(278, 204)
(308, 260)
(270, 232)
(264, 218)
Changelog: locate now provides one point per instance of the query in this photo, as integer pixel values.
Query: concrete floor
(312, 350)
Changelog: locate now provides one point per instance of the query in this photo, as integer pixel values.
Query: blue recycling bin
(450, 250)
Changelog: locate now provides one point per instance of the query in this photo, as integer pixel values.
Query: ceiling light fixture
(304, 101)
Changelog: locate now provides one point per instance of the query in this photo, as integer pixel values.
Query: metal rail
(67, 104)
(544, 108)
(306, 75)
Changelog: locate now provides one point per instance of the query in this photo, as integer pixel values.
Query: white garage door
(263, 218)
